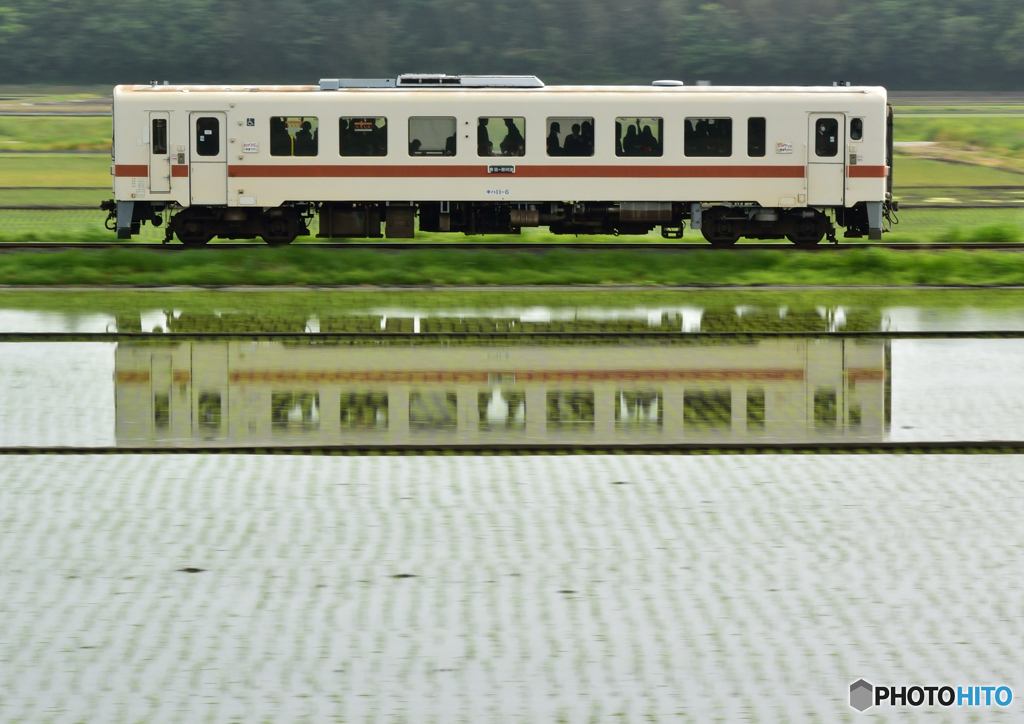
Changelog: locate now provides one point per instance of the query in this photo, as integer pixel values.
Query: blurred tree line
(903, 44)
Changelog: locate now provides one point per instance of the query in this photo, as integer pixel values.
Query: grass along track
(311, 266)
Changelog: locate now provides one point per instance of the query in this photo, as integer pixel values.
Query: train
(379, 158)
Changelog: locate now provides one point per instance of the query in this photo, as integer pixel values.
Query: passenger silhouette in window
(280, 141)
(631, 143)
(305, 144)
(618, 139)
(574, 142)
(483, 138)
(554, 148)
(514, 144)
(587, 132)
(449, 146)
(414, 147)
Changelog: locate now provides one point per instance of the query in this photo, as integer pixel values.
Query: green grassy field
(22, 133)
(315, 267)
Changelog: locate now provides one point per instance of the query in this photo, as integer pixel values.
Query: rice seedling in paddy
(698, 579)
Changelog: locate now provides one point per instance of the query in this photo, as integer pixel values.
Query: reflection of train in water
(394, 393)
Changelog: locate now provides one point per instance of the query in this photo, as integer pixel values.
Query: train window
(826, 409)
(707, 409)
(511, 131)
(207, 136)
(826, 138)
(857, 129)
(707, 137)
(570, 409)
(499, 409)
(159, 137)
(161, 411)
(569, 136)
(294, 410)
(756, 137)
(363, 137)
(364, 410)
(294, 136)
(432, 136)
(638, 136)
(209, 409)
(638, 409)
(433, 410)
(755, 408)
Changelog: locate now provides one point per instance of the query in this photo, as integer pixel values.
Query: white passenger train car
(495, 154)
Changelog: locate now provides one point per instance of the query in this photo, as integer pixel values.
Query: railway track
(14, 246)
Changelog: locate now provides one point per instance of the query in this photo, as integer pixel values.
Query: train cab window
(207, 136)
(363, 137)
(756, 137)
(159, 137)
(638, 136)
(857, 129)
(568, 136)
(501, 136)
(707, 137)
(432, 136)
(826, 138)
(294, 136)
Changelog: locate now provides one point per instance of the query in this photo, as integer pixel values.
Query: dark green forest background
(903, 44)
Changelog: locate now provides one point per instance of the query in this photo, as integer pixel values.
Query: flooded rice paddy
(630, 588)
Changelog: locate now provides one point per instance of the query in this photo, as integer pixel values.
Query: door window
(826, 138)
(207, 136)
(159, 136)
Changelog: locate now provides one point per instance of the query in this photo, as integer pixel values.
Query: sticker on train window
(783, 148)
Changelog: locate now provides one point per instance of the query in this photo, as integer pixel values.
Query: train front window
(756, 137)
(826, 138)
(569, 136)
(638, 136)
(160, 137)
(294, 136)
(363, 137)
(207, 136)
(432, 136)
(707, 137)
(857, 129)
(501, 136)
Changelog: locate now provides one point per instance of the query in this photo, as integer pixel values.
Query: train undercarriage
(721, 225)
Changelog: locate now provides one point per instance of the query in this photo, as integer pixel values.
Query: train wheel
(810, 232)
(280, 230)
(198, 236)
(719, 230)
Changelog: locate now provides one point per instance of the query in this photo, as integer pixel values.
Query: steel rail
(887, 447)
(8, 246)
(489, 336)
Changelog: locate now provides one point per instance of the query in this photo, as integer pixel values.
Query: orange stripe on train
(438, 171)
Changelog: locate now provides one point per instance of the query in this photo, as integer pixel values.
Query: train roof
(426, 82)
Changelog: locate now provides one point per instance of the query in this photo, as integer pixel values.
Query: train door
(159, 153)
(826, 162)
(208, 159)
